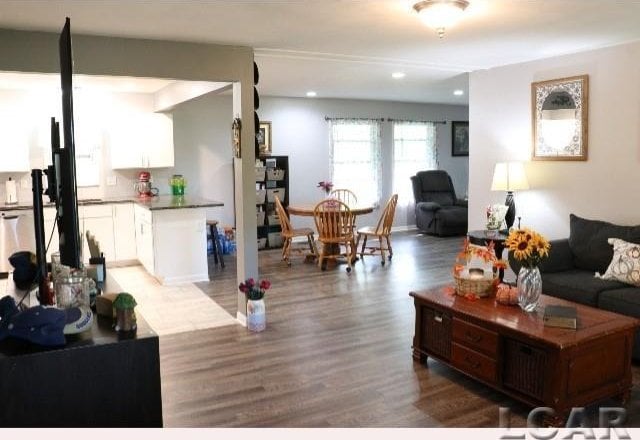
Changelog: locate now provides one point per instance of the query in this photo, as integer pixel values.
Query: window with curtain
(355, 158)
(414, 149)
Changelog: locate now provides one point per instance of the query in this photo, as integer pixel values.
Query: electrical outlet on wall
(112, 180)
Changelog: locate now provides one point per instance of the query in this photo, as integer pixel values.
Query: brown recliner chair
(438, 210)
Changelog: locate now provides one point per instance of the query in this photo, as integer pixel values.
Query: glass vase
(529, 288)
(256, 315)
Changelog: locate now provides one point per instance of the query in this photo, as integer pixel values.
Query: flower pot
(256, 315)
(529, 288)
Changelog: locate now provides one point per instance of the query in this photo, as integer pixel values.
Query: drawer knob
(474, 364)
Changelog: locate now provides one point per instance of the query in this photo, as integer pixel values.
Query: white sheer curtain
(355, 158)
(414, 149)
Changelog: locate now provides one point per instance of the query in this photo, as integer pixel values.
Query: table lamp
(509, 177)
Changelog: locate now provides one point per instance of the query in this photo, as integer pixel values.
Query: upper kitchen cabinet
(14, 145)
(143, 140)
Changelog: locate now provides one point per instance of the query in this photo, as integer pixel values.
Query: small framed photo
(264, 137)
(459, 138)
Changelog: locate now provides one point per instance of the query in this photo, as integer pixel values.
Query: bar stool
(215, 238)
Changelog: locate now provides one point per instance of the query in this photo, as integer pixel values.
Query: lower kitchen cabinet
(172, 244)
(124, 232)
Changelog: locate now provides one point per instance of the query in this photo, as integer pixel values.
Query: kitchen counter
(153, 203)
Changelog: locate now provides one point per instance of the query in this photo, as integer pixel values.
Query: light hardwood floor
(336, 353)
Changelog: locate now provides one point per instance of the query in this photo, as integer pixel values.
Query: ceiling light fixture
(458, 92)
(398, 75)
(311, 94)
(440, 14)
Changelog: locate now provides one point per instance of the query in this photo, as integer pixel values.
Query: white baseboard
(404, 228)
(172, 281)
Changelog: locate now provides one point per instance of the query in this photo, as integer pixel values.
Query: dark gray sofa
(438, 210)
(569, 271)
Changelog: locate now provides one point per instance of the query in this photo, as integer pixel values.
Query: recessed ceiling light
(398, 75)
(458, 92)
(311, 94)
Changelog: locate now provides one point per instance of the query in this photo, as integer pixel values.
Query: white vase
(529, 288)
(256, 315)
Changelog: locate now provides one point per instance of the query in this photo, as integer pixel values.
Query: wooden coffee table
(513, 352)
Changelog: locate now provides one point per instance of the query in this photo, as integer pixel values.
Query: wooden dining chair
(289, 233)
(346, 196)
(334, 222)
(382, 231)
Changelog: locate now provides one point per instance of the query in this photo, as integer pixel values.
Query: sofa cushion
(577, 285)
(625, 301)
(588, 240)
(625, 265)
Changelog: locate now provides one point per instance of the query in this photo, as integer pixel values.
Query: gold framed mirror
(560, 110)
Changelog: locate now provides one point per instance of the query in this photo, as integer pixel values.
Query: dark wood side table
(484, 237)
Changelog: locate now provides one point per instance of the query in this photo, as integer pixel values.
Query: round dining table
(306, 210)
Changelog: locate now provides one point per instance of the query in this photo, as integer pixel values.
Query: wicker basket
(480, 287)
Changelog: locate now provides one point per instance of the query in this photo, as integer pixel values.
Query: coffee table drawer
(474, 363)
(474, 337)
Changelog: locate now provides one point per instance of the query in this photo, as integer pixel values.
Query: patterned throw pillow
(625, 265)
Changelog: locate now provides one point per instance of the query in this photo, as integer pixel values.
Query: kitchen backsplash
(125, 181)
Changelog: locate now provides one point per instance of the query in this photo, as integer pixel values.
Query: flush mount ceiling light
(398, 75)
(440, 14)
(458, 92)
(311, 94)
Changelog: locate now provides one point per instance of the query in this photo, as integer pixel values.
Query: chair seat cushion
(577, 285)
(368, 230)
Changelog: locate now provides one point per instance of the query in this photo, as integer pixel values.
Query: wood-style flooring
(336, 352)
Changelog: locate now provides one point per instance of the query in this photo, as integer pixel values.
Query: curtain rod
(413, 120)
(328, 118)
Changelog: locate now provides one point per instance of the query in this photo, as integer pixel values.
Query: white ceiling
(349, 48)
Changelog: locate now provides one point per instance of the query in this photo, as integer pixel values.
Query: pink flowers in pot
(254, 291)
(326, 186)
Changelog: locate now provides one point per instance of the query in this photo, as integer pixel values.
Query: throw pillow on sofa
(588, 241)
(625, 265)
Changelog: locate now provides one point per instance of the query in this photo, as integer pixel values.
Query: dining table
(306, 210)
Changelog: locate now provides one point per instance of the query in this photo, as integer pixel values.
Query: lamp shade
(509, 176)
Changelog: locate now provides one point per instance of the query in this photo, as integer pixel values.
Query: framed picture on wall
(264, 137)
(459, 138)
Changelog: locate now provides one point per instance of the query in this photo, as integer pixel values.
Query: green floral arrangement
(124, 301)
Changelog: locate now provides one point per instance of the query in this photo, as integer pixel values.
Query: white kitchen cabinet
(144, 238)
(172, 244)
(49, 215)
(124, 232)
(98, 220)
(142, 141)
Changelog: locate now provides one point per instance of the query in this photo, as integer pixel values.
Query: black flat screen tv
(64, 162)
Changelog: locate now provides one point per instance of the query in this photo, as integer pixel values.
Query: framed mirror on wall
(560, 110)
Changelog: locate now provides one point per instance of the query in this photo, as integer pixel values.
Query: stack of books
(561, 316)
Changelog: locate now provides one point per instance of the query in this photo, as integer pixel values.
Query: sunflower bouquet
(528, 246)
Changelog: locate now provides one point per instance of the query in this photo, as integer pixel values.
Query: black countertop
(152, 203)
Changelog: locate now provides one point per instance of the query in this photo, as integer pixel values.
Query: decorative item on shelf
(507, 295)
(178, 184)
(509, 177)
(475, 282)
(125, 304)
(256, 312)
(326, 186)
(236, 128)
(529, 248)
(495, 216)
